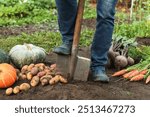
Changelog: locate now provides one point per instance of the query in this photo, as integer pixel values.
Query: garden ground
(116, 89)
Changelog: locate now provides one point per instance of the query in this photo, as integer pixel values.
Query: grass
(48, 40)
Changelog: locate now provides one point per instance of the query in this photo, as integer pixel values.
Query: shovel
(74, 67)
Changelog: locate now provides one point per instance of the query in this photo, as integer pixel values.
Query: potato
(62, 80)
(34, 71)
(29, 76)
(9, 91)
(53, 66)
(59, 73)
(22, 76)
(24, 87)
(30, 67)
(45, 79)
(41, 68)
(44, 82)
(40, 74)
(47, 71)
(16, 90)
(47, 67)
(24, 69)
(40, 64)
(54, 80)
(35, 81)
(52, 73)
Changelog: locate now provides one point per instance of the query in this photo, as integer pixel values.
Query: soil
(116, 89)
(143, 41)
(28, 29)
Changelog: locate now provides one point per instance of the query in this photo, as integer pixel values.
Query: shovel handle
(78, 23)
(76, 37)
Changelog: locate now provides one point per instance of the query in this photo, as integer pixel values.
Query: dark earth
(116, 89)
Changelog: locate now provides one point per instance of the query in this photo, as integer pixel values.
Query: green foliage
(141, 9)
(135, 29)
(141, 52)
(125, 42)
(45, 4)
(89, 12)
(136, 25)
(86, 37)
(8, 2)
(33, 11)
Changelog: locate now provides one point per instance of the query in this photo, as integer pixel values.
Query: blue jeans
(67, 10)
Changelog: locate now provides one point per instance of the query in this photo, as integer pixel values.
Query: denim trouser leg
(67, 10)
(103, 33)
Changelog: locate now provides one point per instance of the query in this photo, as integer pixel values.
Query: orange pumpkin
(8, 75)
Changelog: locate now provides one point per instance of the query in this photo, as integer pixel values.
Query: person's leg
(66, 19)
(102, 38)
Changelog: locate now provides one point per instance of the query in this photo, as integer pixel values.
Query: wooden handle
(76, 38)
(78, 23)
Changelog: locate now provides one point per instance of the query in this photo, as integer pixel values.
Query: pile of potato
(36, 74)
(17, 89)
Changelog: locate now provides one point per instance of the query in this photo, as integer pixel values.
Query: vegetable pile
(28, 60)
(118, 52)
(35, 74)
(137, 72)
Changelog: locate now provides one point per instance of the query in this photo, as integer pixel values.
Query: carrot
(137, 77)
(119, 73)
(144, 71)
(126, 75)
(136, 72)
(147, 79)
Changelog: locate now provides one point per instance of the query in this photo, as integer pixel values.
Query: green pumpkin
(4, 58)
(26, 54)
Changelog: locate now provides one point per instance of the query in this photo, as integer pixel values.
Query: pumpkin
(8, 75)
(26, 54)
(4, 58)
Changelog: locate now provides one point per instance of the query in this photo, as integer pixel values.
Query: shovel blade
(63, 64)
(82, 69)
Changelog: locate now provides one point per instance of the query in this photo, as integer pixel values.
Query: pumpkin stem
(0, 71)
(28, 47)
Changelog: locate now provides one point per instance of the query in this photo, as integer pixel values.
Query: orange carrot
(119, 73)
(136, 72)
(126, 75)
(147, 79)
(144, 71)
(137, 77)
